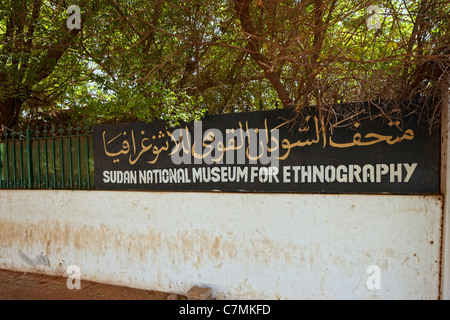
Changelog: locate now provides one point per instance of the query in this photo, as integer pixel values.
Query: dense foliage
(136, 59)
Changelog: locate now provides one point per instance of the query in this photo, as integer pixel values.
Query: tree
(323, 52)
(32, 46)
(177, 60)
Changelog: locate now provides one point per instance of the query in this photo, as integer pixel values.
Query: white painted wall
(244, 246)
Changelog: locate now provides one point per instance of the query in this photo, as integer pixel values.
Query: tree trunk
(9, 111)
(242, 8)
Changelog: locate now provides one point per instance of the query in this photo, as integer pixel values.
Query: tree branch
(242, 8)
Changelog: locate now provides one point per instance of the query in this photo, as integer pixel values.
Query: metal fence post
(78, 154)
(14, 160)
(53, 133)
(87, 156)
(46, 159)
(38, 158)
(61, 133)
(21, 183)
(29, 160)
(1, 172)
(7, 160)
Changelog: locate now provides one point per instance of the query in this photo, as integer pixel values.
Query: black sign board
(270, 151)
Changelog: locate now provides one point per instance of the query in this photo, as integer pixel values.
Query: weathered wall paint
(244, 246)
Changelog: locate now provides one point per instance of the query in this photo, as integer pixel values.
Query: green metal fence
(57, 158)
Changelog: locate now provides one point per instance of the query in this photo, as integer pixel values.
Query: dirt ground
(30, 286)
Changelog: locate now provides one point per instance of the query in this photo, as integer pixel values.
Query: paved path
(31, 286)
